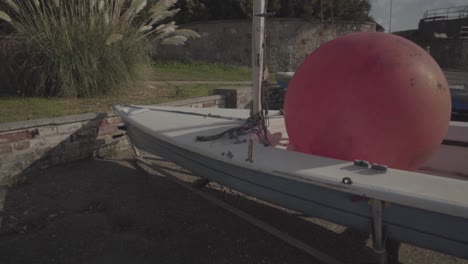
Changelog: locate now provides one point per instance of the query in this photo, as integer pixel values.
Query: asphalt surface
(111, 212)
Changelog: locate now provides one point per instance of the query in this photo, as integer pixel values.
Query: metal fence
(459, 12)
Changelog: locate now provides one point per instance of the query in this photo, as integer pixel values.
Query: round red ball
(372, 96)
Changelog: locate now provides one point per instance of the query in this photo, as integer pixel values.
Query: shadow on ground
(109, 212)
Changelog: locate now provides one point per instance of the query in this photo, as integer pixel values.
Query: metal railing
(446, 13)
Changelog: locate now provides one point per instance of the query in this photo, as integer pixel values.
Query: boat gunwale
(406, 233)
(438, 205)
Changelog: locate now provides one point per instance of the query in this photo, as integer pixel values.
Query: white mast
(390, 23)
(258, 42)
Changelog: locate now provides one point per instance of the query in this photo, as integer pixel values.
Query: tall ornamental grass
(83, 48)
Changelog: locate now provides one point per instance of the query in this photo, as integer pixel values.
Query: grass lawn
(17, 109)
(197, 71)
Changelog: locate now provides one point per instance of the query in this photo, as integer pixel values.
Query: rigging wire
(264, 120)
(258, 123)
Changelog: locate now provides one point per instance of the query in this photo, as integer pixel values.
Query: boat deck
(440, 194)
(441, 164)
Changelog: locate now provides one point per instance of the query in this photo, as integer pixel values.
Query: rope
(186, 113)
(264, 119)
(255, 124)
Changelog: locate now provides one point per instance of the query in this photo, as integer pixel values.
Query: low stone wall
(38, 144)
(288, 41)
(41, 143)
(236, 97)
(216, 101)
(241, 97)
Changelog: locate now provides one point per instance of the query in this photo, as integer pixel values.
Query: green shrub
(83, 48)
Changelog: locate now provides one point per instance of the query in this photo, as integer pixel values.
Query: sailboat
(426, 208)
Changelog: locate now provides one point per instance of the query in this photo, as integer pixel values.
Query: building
(444, 34)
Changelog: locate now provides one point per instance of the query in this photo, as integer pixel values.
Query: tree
(83, 48)
(352, 9)
(347, 10)
(202, 10)
(274, 6)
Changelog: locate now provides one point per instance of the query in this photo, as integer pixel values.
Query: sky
(407, 13)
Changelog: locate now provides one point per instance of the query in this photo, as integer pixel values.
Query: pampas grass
(83, 48)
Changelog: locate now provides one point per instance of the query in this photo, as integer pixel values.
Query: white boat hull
(424, 210)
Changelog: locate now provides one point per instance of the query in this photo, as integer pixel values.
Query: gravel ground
(111, 212)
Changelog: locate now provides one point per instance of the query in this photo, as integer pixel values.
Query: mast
(258, 42)
(390, 23)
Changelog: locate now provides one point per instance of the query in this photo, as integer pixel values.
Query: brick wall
(41, 143)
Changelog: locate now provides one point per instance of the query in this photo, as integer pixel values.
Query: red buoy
(369, 96)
